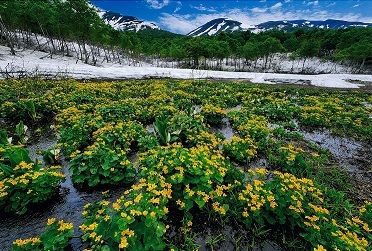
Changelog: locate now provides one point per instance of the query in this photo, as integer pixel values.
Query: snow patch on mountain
(224, 24)
(289, 25)
(216, 26)
(125, 23)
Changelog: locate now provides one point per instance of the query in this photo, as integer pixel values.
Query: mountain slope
(125, 23)
(224, 24)
(216, 26)
(294, 24)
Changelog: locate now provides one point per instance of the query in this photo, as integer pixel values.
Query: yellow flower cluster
(213, 110)
(24, 166)
(291, 151)
(97, 104)
(33, 241)
(255, 196)
(351, 240)
(64, 225)
(363, 209)
(218, 208)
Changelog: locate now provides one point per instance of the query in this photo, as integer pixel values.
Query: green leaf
(18, 156)
(200, 202)
(6, 169)
(105, 248)
(3, 137)
(122, 224)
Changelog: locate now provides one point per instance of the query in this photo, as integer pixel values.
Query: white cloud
(276, 6)
(287, 1)
(331, 4)
(315, 3)
(156, 4)
(259, 10)
(183, 24)
(201, 7)
(357, 5)
(179, 6)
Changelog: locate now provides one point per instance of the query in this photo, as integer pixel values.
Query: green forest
(73, 27)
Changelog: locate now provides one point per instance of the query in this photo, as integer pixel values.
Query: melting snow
(38, 62)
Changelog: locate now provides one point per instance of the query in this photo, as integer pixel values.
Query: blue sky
(184, 16)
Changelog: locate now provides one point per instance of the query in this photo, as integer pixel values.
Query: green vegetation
(186, 174)
(24, 183)
(55, 238)
(64, 22)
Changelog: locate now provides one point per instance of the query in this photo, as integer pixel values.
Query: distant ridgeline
(295, 24)
(79, 29)
(227, 25)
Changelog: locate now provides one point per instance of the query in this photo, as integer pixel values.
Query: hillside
(219, 25)
(216, 26)
(125, 23)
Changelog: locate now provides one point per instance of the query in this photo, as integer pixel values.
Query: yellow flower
(92, 235)
(320, 248)
(166, 210)
(64, 226)
(123, 242)
(116, 206)
(51, 221)
(315, 155)
(138, 198)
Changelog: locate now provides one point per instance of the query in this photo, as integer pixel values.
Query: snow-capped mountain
(224, 24)
(125, 23)
(216, 26)
(294, 24)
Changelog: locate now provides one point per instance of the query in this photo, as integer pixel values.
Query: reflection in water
(225, 129)
(68, 204)
(349, 153)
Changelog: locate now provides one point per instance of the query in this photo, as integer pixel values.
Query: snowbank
(36, 62)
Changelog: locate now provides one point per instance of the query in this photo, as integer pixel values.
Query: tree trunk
(8, 39)
(361, 66)
(303, 65)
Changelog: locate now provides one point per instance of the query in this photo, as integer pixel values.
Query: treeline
(74, 28)
(352, 44)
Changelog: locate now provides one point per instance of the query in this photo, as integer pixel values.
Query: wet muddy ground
(353, 156)
(67, 205)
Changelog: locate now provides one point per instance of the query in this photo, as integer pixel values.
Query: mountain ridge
(130, 23)
(125, 23)
(218, 25)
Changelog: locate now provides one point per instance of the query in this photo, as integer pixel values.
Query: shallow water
(230, 239)
(225, 129)
(67, 205)
(349, 153)
(289, 81)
